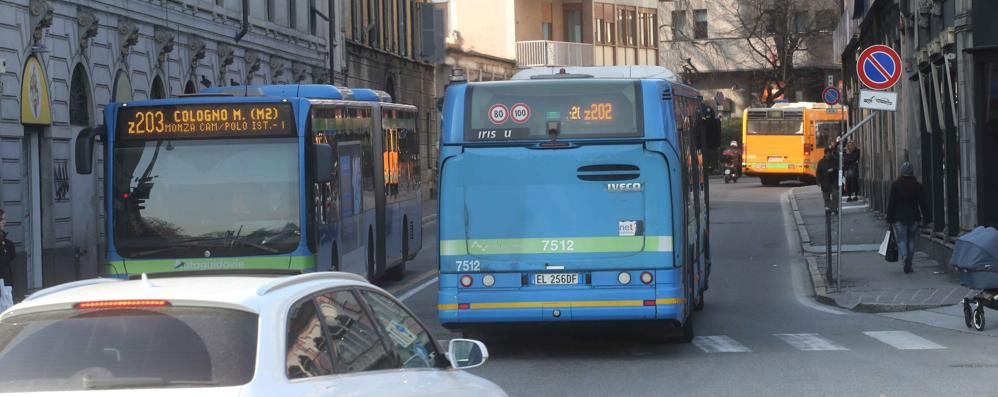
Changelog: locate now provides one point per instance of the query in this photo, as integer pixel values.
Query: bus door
(351, 240)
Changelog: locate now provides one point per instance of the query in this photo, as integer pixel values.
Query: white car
(225, 334)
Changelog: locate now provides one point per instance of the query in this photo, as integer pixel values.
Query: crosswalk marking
(904, 340)
(719, 344)
(809, 342)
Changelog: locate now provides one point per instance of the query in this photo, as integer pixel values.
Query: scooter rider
(733, 156)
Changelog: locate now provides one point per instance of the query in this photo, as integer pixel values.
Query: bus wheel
(397, 273)
(770, 181)
(686, 334)
(699, 305)
(371, 266)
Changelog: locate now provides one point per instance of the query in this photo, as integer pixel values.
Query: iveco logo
(624, 187)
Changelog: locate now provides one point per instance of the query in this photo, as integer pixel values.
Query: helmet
(734, 143)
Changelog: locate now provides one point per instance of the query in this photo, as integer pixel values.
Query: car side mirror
(323, 163)
(466, 353)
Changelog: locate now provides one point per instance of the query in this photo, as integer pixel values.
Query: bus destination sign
(208, 120)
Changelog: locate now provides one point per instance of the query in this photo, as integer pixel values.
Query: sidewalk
(868, 282)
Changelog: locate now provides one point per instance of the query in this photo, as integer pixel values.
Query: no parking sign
(879, 67)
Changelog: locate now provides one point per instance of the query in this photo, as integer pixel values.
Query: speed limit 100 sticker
(498, 113)
(520, 113)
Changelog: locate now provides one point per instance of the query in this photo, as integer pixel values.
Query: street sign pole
(841, 181)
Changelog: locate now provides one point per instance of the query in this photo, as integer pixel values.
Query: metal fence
(553, 53)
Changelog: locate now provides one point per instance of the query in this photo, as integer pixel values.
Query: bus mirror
(712, 127)
(85, 149)
(323, 163)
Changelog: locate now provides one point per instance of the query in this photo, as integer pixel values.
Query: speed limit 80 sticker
(498, 113)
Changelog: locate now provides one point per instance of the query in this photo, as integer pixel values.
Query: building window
(647, 27)
(79, 100)
(802, 24)
(573, 25)
(271, 10)
(679, 25)
(700, 24)
(826, 20)
(546, 30)
(293, 14)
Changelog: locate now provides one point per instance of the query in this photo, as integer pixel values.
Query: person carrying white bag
(7, 255)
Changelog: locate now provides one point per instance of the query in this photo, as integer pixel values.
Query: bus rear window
(149, 347)
(775, 127)
(584, 108)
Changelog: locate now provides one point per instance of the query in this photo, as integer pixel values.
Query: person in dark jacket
(906, 208)
(827, 175)
(7, 253)
(850, 166)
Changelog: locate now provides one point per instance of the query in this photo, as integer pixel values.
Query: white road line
(719, 344)
(416, 290)
(809, 342)
(904, 340)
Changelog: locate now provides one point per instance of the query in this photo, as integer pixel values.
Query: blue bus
(574, 196)
(304, 177)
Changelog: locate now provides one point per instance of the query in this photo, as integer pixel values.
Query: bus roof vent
(666, 94)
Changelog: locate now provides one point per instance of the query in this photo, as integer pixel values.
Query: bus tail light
(489, 280)
(463, 306)
(466, 281)
(646, 277)
(122, 304)
(649, 302)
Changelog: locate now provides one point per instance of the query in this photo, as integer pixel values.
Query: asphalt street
(761, 333)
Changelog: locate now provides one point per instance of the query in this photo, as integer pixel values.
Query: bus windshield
(775, 127)
(178, 198)
(583, 109)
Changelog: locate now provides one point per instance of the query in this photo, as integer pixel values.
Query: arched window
(79, 97)
(190, 88)
(157, 91)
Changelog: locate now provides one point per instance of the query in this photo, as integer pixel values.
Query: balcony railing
(553, 53)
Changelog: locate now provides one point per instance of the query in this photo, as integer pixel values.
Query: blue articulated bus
(304, 177)
(574, 196)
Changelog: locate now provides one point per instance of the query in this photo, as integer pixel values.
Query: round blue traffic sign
(879, 67)
(831, 95)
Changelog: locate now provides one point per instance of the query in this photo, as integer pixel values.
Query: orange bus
(786, 141)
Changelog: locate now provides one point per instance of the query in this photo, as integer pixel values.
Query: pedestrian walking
(850, 165)
(7, 253)
(828, 174)
(905, 210)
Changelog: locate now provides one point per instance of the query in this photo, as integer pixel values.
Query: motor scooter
(730, 172)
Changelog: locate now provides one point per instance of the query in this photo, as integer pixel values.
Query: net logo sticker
(520, 113)
(498, 113)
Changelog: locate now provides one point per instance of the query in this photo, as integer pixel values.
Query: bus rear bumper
(457, 310)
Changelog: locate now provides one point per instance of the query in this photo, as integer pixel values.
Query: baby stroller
(975, 257)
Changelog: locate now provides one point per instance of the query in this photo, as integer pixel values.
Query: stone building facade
(64, 60)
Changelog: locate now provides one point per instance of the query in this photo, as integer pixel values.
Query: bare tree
(778, 33)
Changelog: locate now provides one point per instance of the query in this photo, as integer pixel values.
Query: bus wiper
(172, 246)
(139, 382)
(246, 241)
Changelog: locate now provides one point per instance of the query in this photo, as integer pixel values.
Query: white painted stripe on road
(809, 342)
(719, 344)
(904, 340)
(416, 290)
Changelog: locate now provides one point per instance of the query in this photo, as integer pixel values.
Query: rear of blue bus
(556, 204)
